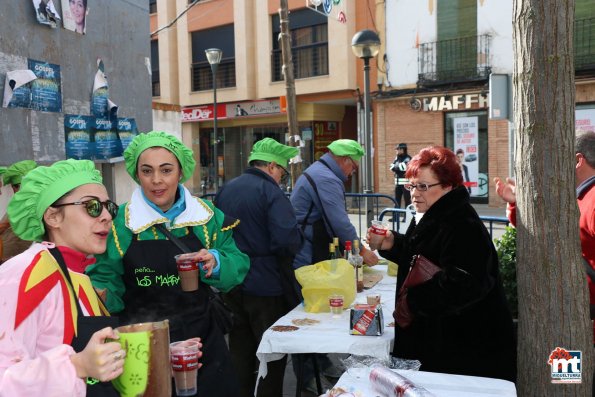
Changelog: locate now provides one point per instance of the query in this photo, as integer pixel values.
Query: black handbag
(220, 312)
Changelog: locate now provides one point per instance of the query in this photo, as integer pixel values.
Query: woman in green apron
(53, 326)
(139, 271)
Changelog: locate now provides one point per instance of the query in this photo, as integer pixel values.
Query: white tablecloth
(356, 380)
(331, 335)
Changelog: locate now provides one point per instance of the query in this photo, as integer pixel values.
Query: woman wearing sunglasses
(461, 323)
(139, 270)
(53, 327)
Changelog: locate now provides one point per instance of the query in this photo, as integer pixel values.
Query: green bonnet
(42, 187)
(268, 149)
(346, 147)
(15, 173)
(151, 139)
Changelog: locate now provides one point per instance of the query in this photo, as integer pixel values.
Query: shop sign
(454, 102)
(232, 110)
(253, 108)
(203, 113)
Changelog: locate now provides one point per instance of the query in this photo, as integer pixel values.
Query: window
(456, 51)
(309, 45)
(584, 35)
(221, 37)
(152, 6)
(156, 86)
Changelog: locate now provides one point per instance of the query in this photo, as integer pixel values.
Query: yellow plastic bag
(392, 268)
(318, 282)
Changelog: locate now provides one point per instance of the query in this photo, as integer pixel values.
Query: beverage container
(188, 272)
(338, 253)
(184, 364)
(332, 256)
(373, 299)
(347, 250)
(335, 302)
(146, 372)
(378, 231)
(358, 263)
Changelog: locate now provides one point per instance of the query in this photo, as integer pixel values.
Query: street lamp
(365, 45)
(214, 57)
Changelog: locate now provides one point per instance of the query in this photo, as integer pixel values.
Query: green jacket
(207, 224)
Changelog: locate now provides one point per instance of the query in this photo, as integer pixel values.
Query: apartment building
(439, 57)
(250, 87)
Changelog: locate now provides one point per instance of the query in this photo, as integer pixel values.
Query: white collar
(139, 215)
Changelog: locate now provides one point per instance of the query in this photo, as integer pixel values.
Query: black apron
(153, 293)
(86, 327)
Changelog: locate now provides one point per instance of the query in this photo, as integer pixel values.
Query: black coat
(462, 323)
(268, 231)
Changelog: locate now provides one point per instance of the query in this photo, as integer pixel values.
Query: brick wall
(396, 122)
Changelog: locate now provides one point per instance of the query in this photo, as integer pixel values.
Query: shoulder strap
(176, 241)
(326, 221)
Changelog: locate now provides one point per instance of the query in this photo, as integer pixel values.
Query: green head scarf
(151, 139)
(268, 149)
(41, 188)
(15, 173)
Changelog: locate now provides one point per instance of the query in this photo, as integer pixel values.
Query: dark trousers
(253, 315)
(400, 191)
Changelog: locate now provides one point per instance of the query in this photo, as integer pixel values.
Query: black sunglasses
(95, 206)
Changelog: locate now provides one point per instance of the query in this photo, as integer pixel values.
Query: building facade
(439, 58)
(250, 86)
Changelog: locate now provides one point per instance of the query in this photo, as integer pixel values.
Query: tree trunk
(552, 289)
(292, 122)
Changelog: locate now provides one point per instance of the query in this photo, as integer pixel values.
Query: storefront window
(234, 145)
(466, 133)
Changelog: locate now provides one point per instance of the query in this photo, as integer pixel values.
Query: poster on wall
(46, 89)
(74, 13)
(324, 133)
(101, 106)
(466, 149)
(46, 12)
(78, 132)
(585, 120)
(105, 139)
(17, 90)
(127, 130)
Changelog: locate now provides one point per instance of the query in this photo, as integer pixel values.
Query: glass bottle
(358, 262)
(338, 253)
(332, 256)
(347, 252)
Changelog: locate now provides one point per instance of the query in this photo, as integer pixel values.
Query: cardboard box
(366, 320)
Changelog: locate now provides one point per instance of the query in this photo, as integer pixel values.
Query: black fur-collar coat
(462, 324)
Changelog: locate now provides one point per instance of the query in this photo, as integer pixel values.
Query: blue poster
(126, 131)
(21, 97)
(105, 138)
(46, 89)
(78, 130)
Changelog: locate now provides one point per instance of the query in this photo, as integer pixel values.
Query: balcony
(454, 61)
(202, 76)
(584, 46)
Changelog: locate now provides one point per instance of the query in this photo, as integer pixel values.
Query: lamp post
(214, 57)
(365, 45)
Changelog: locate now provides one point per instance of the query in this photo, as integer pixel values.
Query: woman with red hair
(461, 321)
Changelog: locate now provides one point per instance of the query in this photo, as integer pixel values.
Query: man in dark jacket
(268, 233)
